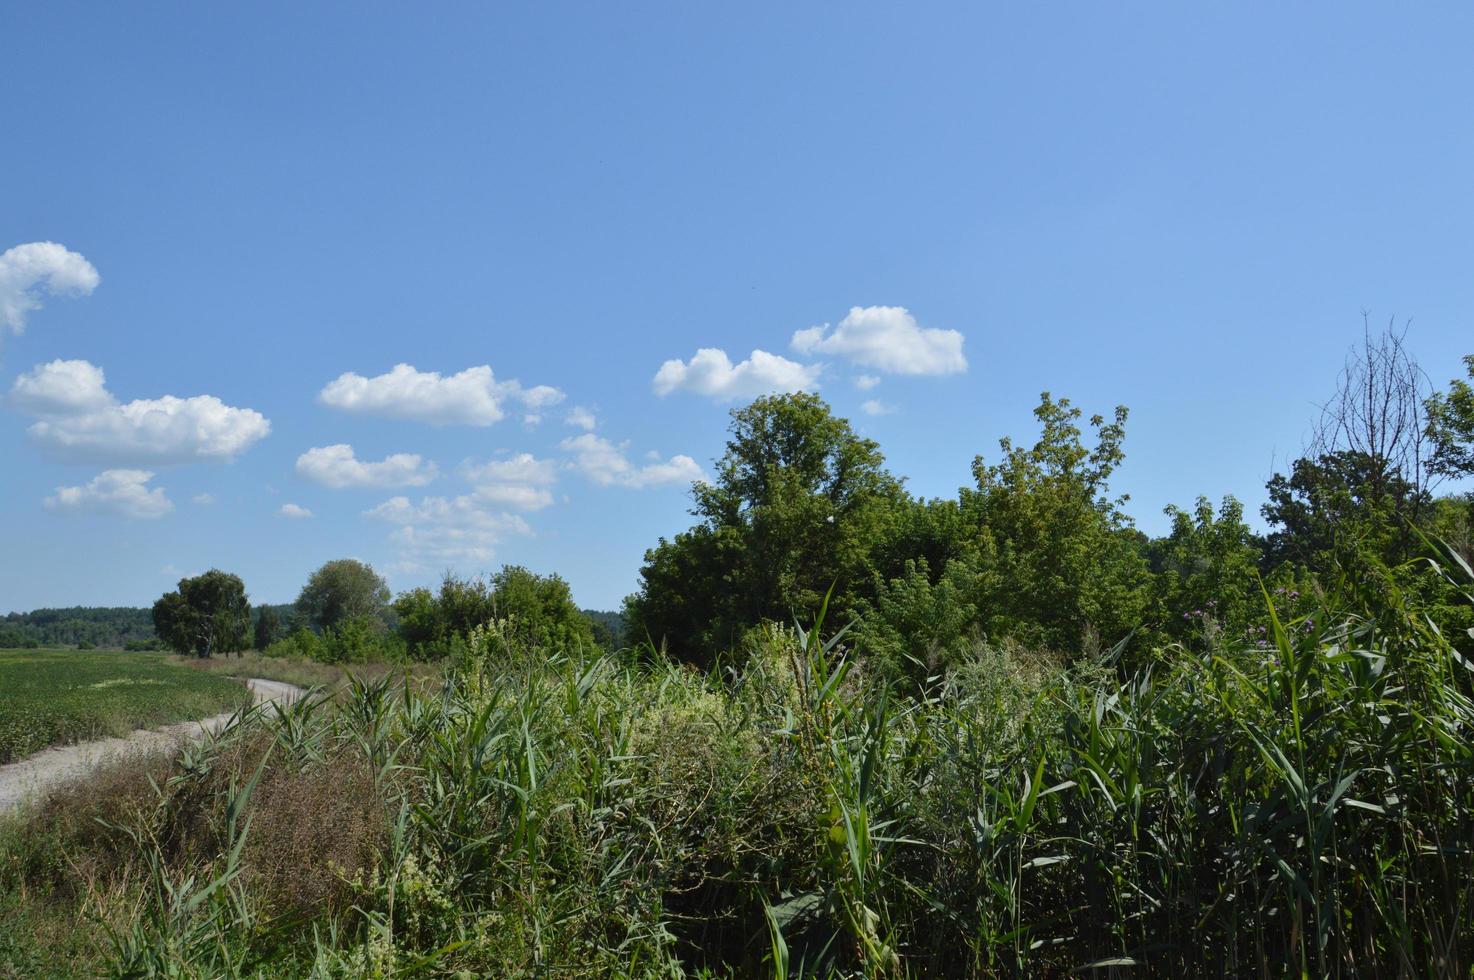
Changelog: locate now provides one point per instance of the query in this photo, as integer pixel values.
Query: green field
(50, 697)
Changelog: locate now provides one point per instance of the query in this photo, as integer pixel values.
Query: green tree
(268, 627)
(1337, 503)
(206, 613)
(1207, 570)
(1063, 563)
(342, 590)
(1451, 426)
(800, 503)
(539, 610)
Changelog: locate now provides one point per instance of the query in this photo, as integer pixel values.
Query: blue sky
(261, 210)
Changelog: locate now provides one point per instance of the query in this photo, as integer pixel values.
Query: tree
(268, 627)
(539, 611)
(1377, 415)
(1062, 561)
(1337, 503)
(1207, 570)
(1451, 426)
(206, 613)
(343, 590)
(800, 503)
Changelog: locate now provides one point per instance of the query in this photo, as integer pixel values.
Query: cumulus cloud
(607, 465)
(886, 338)
(294, 511)
(514, 496)
(471, 397)
(121, 493)
(446, 531)
(522, 468)
(335, 466)
(78, 418)
(581, 418)
(877, 407)
(712, 373)
(28, 271)
(203, 499)
(61, 388)
(866, 381)
(518, 483)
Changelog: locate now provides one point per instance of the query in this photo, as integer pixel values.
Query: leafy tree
(914, 627)
(539, 610)
(1451, 426)
(430, 621)
(1207, 567)
(1339, 502)
(1063, 561)
(800, 503)
(206, 613)
(1452, 521)
(342, 590)
(268, 627)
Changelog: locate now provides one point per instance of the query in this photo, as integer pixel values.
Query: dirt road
(39, 772)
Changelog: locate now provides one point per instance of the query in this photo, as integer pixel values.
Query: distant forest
(122, 626)
(115, 626)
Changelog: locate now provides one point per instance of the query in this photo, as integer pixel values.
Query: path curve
(30, 776)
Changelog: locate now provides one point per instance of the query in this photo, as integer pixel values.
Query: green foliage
(915, 628)
(102, 627)
(1288, 806)
(268, 627)
(206, 613)
(1062, 560)
(1338, 503)
(57, 696)
(1208, 571)
(537, 610)
(1451, 426)
(799, 503)
(342, 590)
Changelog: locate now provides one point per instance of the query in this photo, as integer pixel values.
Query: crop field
(51, 697)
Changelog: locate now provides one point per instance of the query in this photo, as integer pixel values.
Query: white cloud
(471, 397)
(514, 496)
(712, 373)
(888, 339)
(522, 468)
(294, 511)
(446, 531)
(866, 381)
(876, 407)
(335, 466)
(61, 388)
(581, 418)
(77, 418)
(26, 271)
(607, 465)
(203, 499)
(519, 483)
(121, 493)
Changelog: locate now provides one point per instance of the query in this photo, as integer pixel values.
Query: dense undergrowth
(1301, 805)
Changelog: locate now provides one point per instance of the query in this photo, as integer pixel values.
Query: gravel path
(47, 768)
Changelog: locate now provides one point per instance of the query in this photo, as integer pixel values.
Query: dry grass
(314, 832)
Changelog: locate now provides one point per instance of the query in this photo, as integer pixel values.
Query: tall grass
(1298, 807)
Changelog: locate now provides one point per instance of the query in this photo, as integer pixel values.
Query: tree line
(1040, 551)
(81, 626)
(344, 613)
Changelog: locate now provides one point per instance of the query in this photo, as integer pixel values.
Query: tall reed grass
(1302, 806)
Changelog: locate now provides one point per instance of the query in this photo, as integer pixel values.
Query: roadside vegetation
(851, 733)
(52, 697)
